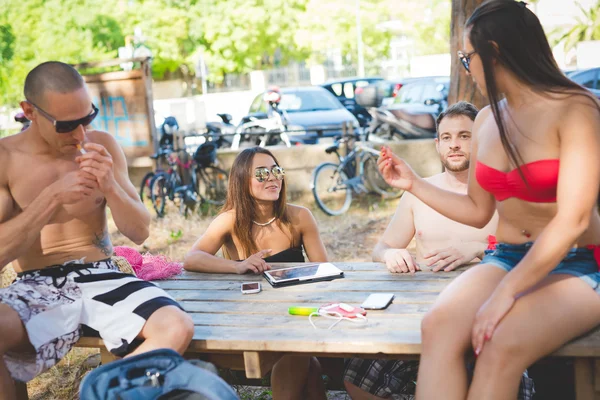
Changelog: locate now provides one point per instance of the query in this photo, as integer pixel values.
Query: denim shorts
(580, 262)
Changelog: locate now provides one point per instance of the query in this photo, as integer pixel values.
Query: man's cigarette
(81, 149)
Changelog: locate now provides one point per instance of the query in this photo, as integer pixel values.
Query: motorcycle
(221, 131)
(407, 121)
(264, 130)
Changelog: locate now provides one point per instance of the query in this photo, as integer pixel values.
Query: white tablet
(303, 274)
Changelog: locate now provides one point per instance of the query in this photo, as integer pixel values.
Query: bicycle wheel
(375, 180)
(212, 185)
(159, 191)
(330, 190)
(188, 200)
(145, 186)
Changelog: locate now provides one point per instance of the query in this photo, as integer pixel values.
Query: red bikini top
(541, 175)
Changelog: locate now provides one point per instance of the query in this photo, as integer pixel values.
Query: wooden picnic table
(252, 331)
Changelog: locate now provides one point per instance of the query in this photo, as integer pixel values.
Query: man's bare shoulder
(436, 179)
(104, 138)
(8, 145)
(5, 157)
(4, 147)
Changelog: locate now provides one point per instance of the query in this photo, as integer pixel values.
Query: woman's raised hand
(395, 171)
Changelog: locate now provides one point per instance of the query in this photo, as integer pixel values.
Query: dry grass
(350, 237)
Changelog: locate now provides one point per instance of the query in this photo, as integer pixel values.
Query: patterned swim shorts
(57, 303)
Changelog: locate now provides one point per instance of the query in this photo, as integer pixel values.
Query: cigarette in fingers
(81, 149)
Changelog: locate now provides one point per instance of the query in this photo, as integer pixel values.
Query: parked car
(589, 78)
(419, 90)
(310, 114)
(345, 89)
(413, 113)
(389, 89)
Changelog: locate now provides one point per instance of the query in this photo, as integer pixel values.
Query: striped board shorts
(58, 303)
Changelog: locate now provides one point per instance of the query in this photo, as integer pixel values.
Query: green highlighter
(302, 310)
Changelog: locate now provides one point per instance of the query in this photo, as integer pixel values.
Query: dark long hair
(240, 199)
(523, 49)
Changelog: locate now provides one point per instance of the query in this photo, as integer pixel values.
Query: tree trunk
(462, 86)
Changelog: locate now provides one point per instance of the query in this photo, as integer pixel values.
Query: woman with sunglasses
(257, 227)
(534, 158)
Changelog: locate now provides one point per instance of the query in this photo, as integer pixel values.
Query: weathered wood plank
(231, 361)
(243, 322)
(300, 297)
(584, 346)
(365, 342)
(379, 273)
(281, 308)
(330, 286)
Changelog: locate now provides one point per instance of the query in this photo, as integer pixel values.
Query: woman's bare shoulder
(224, 220)
(577, 110)
(299, 214)
(579, 99)
(482, 116)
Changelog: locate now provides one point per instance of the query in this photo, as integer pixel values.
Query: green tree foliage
(242, 35)
(169, 31)
(332, 25)
(7, 50)
(234, 36)
(587, 27)
(65, 30)
(433, 32)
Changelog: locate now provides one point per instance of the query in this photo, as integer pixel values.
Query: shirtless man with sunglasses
(57, 178)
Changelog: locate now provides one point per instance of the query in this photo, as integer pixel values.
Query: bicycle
(210, 181)
(333, 185)
(206, 183)
(160, 158)
(169, 185)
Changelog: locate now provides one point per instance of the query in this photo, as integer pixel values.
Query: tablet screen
(293, 273)
(316, 270)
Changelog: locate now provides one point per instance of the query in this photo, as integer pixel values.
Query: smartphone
(250, 287)
(378, 301)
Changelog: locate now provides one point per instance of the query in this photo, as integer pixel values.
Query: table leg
(21, 389)
(258, 364)
(106, 356)
(587, 379)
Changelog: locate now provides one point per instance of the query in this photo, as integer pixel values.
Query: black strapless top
(293, 254)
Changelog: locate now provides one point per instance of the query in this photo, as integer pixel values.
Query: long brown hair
(523, 49)
(241, 200)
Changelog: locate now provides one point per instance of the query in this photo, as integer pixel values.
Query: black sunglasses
(465, 59)
(262, 174)
(68, 126)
